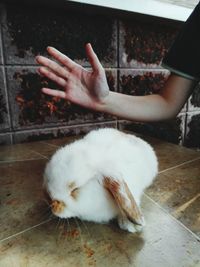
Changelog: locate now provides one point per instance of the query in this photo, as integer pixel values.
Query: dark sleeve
(183, 58)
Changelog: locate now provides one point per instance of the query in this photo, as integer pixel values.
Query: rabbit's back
(113, 144)
(123, 156)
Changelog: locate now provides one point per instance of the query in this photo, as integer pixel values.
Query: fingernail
(50, 47)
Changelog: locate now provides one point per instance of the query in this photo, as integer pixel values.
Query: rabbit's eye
(74, 193)
(72, 185)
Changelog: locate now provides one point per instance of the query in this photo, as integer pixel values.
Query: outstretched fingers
(53, 92)
(60, 57)
(52, 76)
(53, 66)
(93, 59)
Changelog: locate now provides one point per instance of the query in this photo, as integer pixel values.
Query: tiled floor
(171, 206)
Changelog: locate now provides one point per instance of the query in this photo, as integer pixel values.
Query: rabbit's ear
(124, 199)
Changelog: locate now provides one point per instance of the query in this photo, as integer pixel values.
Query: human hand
(87, 88)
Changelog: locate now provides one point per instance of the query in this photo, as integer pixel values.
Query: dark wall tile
(25, 32)
(112, 79)
(1, 52)
(32, 109)
(171, 131)
(4, 114)
(194, 101)
(28, 31)
(58, 132)
(144, 44)
(5, 139)
(1, 15)
(138, 82)
(193, 130)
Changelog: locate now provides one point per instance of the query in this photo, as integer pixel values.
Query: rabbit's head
(66, 181)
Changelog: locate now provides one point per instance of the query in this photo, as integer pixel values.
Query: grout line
(185, 122)
(18, 160)
(7, 99)
(46, 143)
(118, 44)
(37, 153)
(59, 126)
(179, 165)
(142, 69)
(176, 220)
(24, 231)
(185, 205)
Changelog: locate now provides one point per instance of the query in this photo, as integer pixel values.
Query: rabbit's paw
(127, 225)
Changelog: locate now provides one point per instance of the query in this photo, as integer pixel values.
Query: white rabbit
(100, 177)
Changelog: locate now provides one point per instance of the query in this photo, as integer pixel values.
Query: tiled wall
(131, 51)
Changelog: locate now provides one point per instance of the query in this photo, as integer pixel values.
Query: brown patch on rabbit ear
(124, 199)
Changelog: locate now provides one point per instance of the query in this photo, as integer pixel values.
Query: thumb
(93, 59)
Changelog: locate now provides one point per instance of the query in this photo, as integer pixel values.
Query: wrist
(105, 103)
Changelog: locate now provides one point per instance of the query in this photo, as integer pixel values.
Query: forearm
(137, 108)
(155, 107)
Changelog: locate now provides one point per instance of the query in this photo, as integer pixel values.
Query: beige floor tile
(21, 197)
(178, 191)
(170, 155)
(17, 152)
(164, 242)
(63, 141)
(26, 239)
(43, 149)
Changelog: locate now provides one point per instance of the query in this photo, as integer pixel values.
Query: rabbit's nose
(57, 206)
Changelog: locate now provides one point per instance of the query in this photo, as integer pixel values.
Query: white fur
(103, 152)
